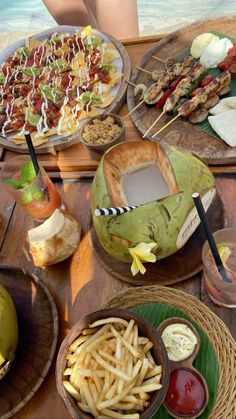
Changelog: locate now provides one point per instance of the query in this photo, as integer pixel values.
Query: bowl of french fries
(112, 364)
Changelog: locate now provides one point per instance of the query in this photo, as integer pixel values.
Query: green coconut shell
(8, 331)
(159, 221)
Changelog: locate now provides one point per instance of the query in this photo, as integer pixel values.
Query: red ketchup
(186, 392)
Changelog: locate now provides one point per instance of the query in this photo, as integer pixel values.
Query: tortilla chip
(38, 141)
(114, 78)
(78, 60)
(101, 88)
(110, 54)
(107, 101)
(16, 141)
(33, 43)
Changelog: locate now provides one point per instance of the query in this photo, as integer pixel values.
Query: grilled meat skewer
(183, 87)
(173, 71)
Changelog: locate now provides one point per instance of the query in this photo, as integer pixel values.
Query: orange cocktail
(35, 193)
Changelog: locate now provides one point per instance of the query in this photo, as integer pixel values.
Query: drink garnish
(27, 175)
(224, 252)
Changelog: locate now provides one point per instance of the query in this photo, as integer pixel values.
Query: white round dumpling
(200, 42)
(215, 52)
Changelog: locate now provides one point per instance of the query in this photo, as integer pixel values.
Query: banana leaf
(205, 362)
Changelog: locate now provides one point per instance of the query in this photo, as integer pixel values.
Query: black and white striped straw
(114, 211)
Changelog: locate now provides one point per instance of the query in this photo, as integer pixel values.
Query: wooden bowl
(171, 320)
(186, 364)
(101, 148)
(38, 330)
(145, 329)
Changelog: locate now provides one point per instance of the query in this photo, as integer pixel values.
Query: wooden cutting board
(181, 132)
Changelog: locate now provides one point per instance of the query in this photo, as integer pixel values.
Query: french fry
(146, 388)
(107, 366)
(89, 398)
(109, 320)
(77, 342)
(154, 371)
(68, 386)
(125, 343)
(111, 414)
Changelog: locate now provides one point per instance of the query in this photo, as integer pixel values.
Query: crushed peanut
(101, 132)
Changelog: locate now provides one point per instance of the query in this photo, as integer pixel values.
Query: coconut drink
(8, 331)
(159, 182)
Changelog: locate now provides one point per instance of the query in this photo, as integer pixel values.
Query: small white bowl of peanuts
(112, 364)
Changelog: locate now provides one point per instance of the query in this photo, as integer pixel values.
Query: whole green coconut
(8, 331)
(169, 221)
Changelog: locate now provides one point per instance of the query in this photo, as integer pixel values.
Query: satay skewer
(130, 83)
(154, 123)
(166, 125)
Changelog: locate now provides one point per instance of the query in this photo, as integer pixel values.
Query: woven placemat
(217, 332)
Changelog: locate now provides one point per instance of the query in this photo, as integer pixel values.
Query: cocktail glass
(221, 292)
(37, 194)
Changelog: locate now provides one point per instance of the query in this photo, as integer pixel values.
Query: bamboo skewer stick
(158, 59)
(130, 83)
(134, 109)
(166, 62)
(165, 126)
(154, 123)
(143, 70)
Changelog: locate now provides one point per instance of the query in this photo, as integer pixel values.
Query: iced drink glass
(219, 291)
(35, 193)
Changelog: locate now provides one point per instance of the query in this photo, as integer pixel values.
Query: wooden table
(80, 285)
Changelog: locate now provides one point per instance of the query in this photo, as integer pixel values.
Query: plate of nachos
(52, 81)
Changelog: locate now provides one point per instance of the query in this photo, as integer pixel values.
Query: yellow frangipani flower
(142, 252)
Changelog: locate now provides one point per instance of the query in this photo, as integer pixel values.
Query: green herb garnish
(27, 175)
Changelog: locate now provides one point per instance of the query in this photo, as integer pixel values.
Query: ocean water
(154, 15)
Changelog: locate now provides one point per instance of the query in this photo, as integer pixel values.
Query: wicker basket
(217, 332)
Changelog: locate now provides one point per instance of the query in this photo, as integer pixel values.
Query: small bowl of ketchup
(187, 395)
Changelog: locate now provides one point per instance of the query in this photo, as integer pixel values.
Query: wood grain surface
(176, 268)
(53, 145)
(181, 132)
(80, 284)
(38, 330)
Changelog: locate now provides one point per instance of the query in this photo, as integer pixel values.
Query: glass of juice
(35, 193)
(221, 292)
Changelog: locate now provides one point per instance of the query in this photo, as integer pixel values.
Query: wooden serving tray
(176, 268)
(181, 132)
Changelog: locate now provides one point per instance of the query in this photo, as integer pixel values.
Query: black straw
(32, 152)
(209, 236)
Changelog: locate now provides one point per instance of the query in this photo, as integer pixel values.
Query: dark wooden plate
(38, 331)
(56, 142)
(181, 132)
(175, 268)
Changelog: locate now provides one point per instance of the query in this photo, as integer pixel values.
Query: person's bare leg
(71, 12)
(116, 17)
